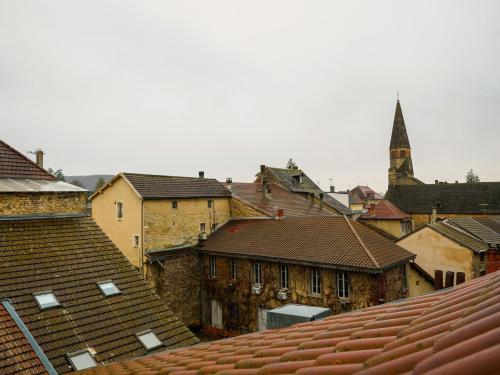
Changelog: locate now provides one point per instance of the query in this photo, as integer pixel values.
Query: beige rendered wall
(165, 226)
(389, 226)
(436, 252)
(120, 231)
(417, 284)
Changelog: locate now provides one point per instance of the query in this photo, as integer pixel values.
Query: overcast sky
(174, 87)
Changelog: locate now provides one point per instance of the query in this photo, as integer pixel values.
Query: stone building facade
(24, 203)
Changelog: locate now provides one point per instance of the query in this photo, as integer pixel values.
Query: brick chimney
(201, 174)
(280, 213)
(229, 181)
(39, 157)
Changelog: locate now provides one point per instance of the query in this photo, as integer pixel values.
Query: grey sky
(224, 86)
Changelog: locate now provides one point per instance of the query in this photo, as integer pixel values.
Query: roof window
(149, 340)
(108, 288)
(46, 300)
(81, 360)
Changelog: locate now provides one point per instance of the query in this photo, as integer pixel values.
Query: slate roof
(451, 332)
(291, 203)
(479, 230)
(459, 236)
(68, 256)
(13, 164)
(399, 137)
(287, 178)
(158, 187)
(385, 210)
(465, 198)
(328, 241)
(492, 222)
(16, 354)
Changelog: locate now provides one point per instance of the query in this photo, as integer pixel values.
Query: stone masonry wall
(42, 203)
(177, 282)
(240, 209)
(240, 306)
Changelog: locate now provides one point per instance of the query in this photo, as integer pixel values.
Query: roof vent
(201, 174)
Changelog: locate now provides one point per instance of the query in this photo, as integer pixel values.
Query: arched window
(402, 153)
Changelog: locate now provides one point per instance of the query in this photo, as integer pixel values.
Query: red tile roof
(13, 164)
(385, 210)
(16, 354)
(330, 241)
(291, 203)
(454, 331)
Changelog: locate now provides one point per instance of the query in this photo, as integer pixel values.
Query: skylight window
(46, 300)
(81, 360)
(108, 288)
(149, 340)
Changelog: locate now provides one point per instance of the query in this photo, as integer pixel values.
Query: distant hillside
(88, 181)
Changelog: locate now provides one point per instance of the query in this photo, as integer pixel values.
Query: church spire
(399, 138)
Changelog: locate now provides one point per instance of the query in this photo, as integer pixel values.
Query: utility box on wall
(290, 314)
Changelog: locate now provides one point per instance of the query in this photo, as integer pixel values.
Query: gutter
(27, 334)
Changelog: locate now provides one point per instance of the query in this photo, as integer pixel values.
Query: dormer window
(108, 288)
(46, 300)
(81, 360)
(149, 340)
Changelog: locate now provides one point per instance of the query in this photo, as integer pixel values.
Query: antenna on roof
(397, 95)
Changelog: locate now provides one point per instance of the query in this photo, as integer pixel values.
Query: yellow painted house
(143, 213)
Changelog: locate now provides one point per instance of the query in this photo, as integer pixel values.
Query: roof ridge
(171, 176)
(26, 158)
(372, 258)
(489, 230)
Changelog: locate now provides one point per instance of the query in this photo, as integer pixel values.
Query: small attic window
(46, 300)
(149, 340)
(108, 288)
(81, 360)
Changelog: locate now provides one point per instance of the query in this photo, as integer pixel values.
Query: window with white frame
(81, 359)
(257, 273)
(212, 266)
(232, 269)
(46, 300)
(136, 240)
(149, 340)
(343, 285)
(119, 210)
(108, 288)
(284, 276)
(315, 281)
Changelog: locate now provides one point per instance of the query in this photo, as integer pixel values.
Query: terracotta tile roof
(459, 236)
(331, 241)
(481, 197)
(16, 354)
(385, 210)
(68, 256)
(288, 179)
(292, 204)
(155, 186)
(363, 193)
(455, 331)
(13, 164)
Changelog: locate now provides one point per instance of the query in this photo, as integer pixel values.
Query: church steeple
(399, 138)
(401, 166)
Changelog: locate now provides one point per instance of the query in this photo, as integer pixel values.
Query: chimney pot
(332, 189)
(39, 157)
(262, 168)
(229, 180)
(280, 213)
(201, 174)
(436, 182)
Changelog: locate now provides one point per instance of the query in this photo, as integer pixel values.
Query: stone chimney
(229, 181)
(434, 213)
(39, 157)
(332, 189)
(262, 171)
(201, 174)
